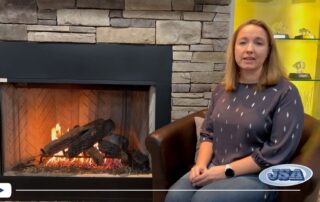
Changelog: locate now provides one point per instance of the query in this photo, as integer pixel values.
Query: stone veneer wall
(198, 31)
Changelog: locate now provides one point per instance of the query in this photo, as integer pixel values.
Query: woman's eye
(260, 43)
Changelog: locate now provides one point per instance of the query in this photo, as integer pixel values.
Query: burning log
(95, 155)
(113, 142)
(90, 137)
(109, 148)
(140, 161)
(115, 146)
(69, 137)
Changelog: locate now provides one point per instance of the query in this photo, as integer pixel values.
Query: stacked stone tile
(198, 31)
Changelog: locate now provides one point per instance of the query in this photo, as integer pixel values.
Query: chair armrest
(172, 150)
(307, 155)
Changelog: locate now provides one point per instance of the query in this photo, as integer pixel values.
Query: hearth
(79, 113)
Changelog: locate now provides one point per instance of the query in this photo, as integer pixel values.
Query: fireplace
(60, 89)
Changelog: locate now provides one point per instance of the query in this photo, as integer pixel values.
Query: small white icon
(3, 80)
(5, 190)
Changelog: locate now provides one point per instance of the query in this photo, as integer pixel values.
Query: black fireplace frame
(98, 64)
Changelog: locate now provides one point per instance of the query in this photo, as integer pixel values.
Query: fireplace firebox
(74, 117)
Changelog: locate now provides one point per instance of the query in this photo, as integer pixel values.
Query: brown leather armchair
(172, 150)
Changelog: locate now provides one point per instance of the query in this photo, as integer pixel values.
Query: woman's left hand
(211, 174)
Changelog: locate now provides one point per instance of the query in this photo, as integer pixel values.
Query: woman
(254, 121)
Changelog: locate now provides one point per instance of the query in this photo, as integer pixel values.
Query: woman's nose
(249, 47)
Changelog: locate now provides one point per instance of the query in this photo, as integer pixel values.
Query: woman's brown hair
(272, 70)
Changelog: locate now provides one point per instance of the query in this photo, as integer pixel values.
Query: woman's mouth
(248, 58)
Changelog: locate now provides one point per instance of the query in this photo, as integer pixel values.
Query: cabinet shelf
(306, 80)
(293, 39)
(293, 20)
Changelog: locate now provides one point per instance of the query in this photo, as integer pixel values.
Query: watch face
(229, 172)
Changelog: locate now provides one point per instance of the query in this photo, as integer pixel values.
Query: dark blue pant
(222, 190)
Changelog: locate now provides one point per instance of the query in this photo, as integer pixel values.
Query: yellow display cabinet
(295, 25)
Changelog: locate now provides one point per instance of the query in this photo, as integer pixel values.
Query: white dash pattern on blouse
(236, 107)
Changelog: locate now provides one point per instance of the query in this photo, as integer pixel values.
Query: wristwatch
(229, 172)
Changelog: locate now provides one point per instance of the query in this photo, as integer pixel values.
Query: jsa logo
(5, 190)
(285, 175)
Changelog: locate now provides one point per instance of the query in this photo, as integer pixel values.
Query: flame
(56, 132)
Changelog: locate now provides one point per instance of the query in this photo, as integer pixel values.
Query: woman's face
(251, 48)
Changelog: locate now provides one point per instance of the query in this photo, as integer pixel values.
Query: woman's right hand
(195, 171)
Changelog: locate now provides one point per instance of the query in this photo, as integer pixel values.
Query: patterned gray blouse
(266, 124)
